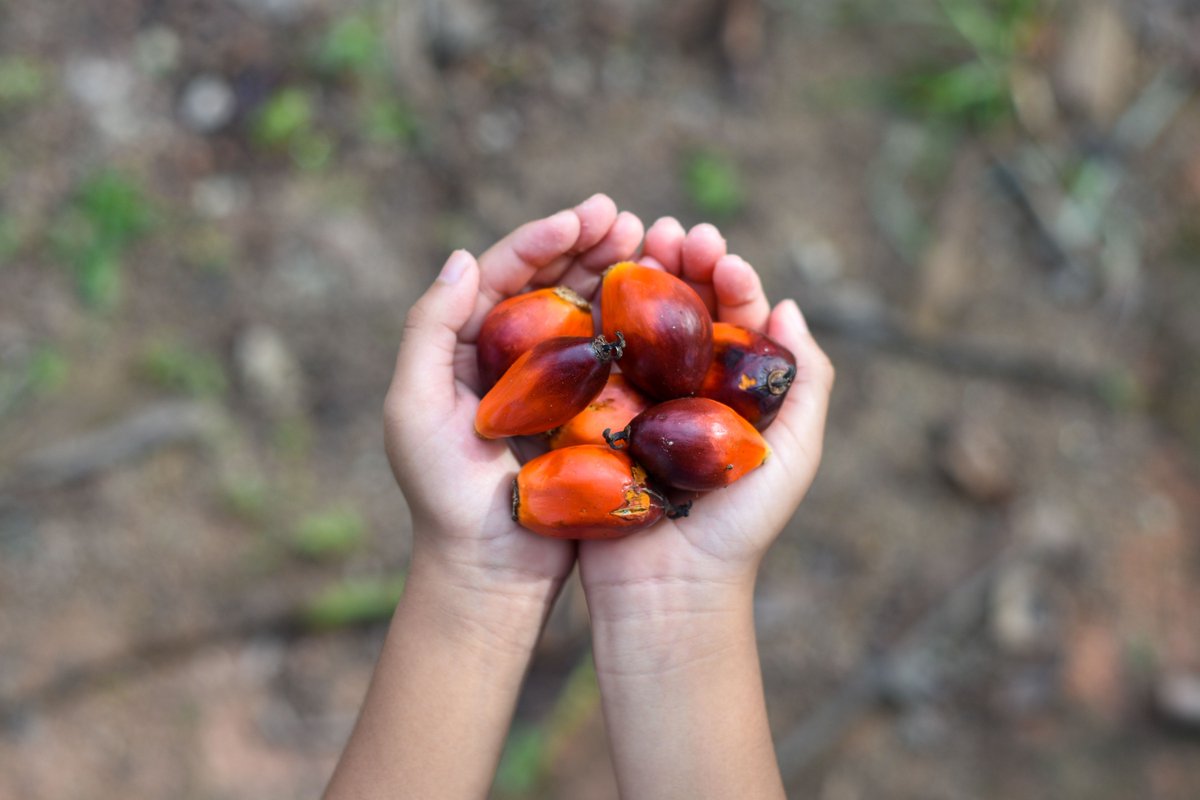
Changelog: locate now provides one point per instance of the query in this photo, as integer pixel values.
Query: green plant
(713, 184)
(973, 89)
(352, 44)
(287, 121)
(532, 748)
(47, 370)
(328, 534)
(175, 366)
(107, 214)
(21, 80)
(354, 601)
(246, 496)
(389, 121)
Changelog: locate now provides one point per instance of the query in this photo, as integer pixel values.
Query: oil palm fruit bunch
(660, 400)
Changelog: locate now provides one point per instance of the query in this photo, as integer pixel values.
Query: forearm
(444, 689)
(682, 691)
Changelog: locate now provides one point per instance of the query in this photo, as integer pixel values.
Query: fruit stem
(516, 500)
(677, 511)
(780, 380)
(614, 438)
(606, 350)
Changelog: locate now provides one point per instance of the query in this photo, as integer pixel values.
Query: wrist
(491, 611)
(650, 628)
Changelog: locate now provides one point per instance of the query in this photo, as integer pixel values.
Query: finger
(739, 294)
(597, 216)
(620, 244)
(797, 434)
(426, 361)
(664, 243)
(507, 266)
(703, 247)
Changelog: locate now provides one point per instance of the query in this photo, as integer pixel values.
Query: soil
(146, 648)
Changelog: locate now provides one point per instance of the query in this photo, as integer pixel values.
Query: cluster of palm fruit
(662, 399)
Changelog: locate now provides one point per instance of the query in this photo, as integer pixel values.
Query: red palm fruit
(667, 325)
(693, 443)
(514, 326)
(750, 372)
(546, 386)
(613, 408)
(585, 492)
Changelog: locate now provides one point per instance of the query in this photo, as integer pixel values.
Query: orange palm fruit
(693, 443)
(667, 325)
(585, 492)
(515, 325)
(613, 408)
(546, 386)
(750, 372)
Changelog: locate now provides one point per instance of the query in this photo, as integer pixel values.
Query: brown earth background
(215, 213)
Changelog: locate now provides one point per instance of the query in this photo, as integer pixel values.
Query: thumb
(425, 364)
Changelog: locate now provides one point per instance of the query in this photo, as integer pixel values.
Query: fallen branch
(880, 331)
(135, 436)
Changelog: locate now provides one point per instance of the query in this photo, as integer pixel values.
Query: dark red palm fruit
(693, 443)
(585, 492)
(666, 324)
(617, 404)
(515, 325)
(546, 386)
(750, 372)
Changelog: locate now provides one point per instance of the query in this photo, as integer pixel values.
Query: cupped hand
(728, 530)
(457, 484)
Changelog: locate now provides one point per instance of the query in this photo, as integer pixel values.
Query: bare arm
(442, 696)
(682, 692)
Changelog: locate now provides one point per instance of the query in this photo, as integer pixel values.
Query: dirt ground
(215, 213)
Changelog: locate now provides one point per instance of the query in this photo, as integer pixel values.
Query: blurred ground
(214, 214)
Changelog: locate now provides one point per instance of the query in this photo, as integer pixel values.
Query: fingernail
(455, 267)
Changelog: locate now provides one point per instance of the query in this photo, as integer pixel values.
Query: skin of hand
(672, 607)
(479, 587)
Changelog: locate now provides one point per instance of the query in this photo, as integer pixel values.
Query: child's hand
(457, 484)
(720, 544)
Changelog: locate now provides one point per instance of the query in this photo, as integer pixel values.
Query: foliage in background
(532, 749)
(287, 122)
(713, 185)
(974, 90)
(354, 601)
(175, 366)
(352, 44)
(336, 532)
(21, 81)
(107, 214)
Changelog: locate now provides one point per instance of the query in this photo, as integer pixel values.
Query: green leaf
(713, 185)
(354, 601)
(330, 533)
(21, 80)
(352, 44)
(47, 371)
(177, 367)
(522, 762)
(284, 117)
